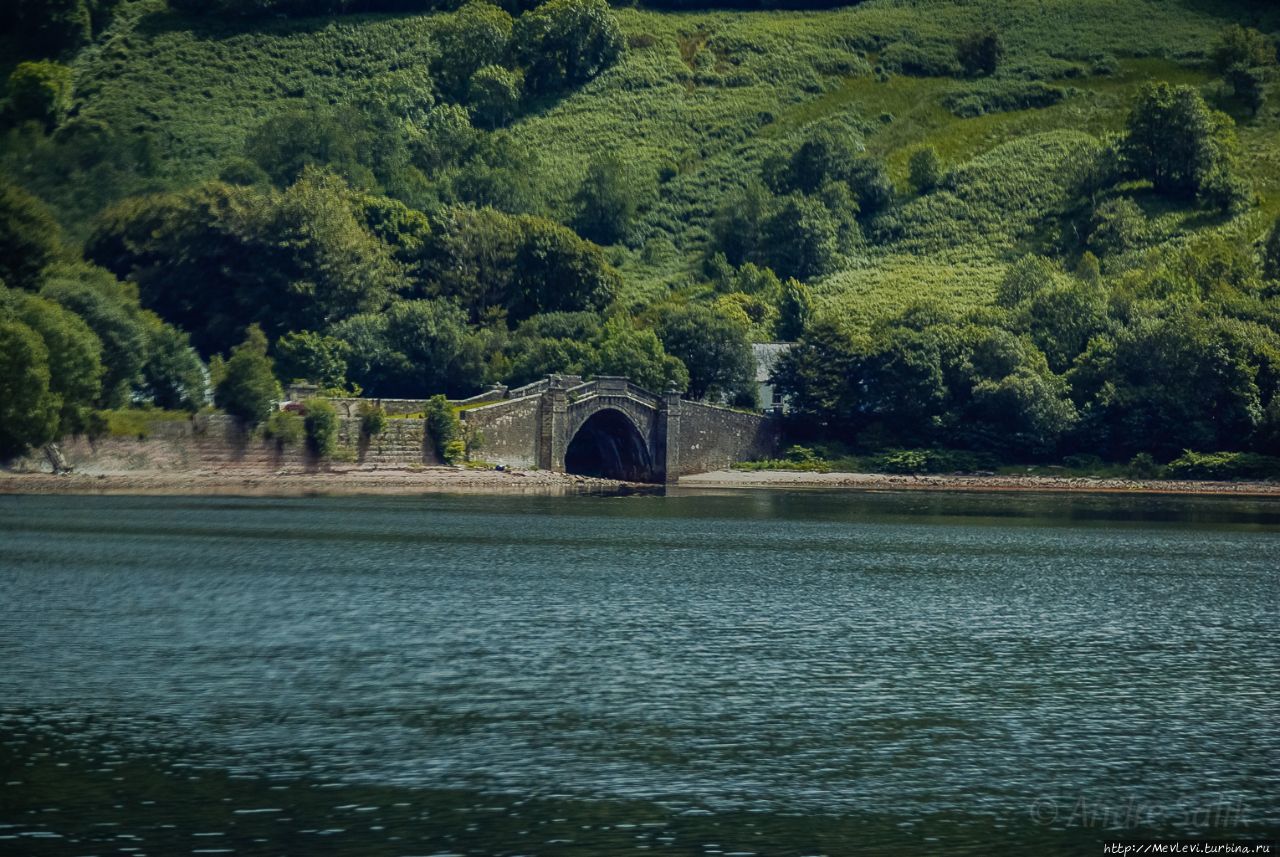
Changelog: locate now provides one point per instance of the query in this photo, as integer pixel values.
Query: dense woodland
(1003, 231)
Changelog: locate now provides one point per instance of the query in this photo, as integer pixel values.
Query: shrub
(285, 428)
(29, 237)
(1224, 465)
(1000, 96)
(925, 169)
(373, 419)
(455, 452)
(443, 426)
(932, 60)
(494, 95)
(248, 387)
(321, 424)
(980, 52)
(1143, 466)
(40, 91)
(1242, 46)
(931, 461)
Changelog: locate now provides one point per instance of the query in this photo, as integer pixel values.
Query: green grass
(137, 422)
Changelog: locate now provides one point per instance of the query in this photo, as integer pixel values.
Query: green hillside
(696, 111)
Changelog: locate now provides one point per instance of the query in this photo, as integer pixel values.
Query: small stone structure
(611, 427)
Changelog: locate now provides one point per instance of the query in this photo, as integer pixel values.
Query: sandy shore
(302, 483)
(893, 482)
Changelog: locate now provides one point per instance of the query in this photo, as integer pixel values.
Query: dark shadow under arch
(609, 446)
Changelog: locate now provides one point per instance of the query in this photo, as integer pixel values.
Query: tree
(173, 376)
(816, 378)
(556, 271)
(1026, 278)
(1250, 86)
(1062, 319)
(30, 238)
(216, 258)
(28, 408)
(925, 169)
(637, 354)
(494, 95)
(566, 42)
(74, 355)
(1028, 410)
(714, 349)
(1244, 47)
(795, 309)
(55, 26)
(1117, 226)
(320, 421)
(40, 92)
(311, 357)
(799, 238)
(248, 390)
(476, 36)
(289, 142)
(824, 155)
(113, 314)
(739, 224)
(980, 53)
(607, 200)
(869, 181)
(1177, 142)
(1165, 384)
(414, 349)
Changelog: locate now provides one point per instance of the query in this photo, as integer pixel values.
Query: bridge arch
(608, 444)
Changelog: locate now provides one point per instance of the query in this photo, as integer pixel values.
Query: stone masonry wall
(712, 438)
(216, 442)
(509, 431)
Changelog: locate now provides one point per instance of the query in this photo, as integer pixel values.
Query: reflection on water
(764, 672)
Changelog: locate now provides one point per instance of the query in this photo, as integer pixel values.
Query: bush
(321, 424)
(980, 52)
(494, 95)
(373, 419)
(1224, 465)
(455, 452)
(285, 428)
(248, 388)
(1001, 96)
(932, 60)
(925, 169)
(1143, 466)
(931, 461)
(443, 426)
(40, 91)
(565, 42)
(29, 237)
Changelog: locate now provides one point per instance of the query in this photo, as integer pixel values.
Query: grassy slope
(708, 96)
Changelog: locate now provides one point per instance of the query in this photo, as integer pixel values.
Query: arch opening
(610, 447)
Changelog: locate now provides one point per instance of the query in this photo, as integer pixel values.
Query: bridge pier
(669, 435)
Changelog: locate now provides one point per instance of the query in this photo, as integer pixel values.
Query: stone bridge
(610, 427)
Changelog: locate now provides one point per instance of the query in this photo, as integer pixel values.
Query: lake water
(765, 673)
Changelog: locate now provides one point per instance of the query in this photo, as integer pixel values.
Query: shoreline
(790, 479)
(302, 483)
(427, 480)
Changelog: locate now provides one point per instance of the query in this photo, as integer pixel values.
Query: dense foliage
(1015, 232)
